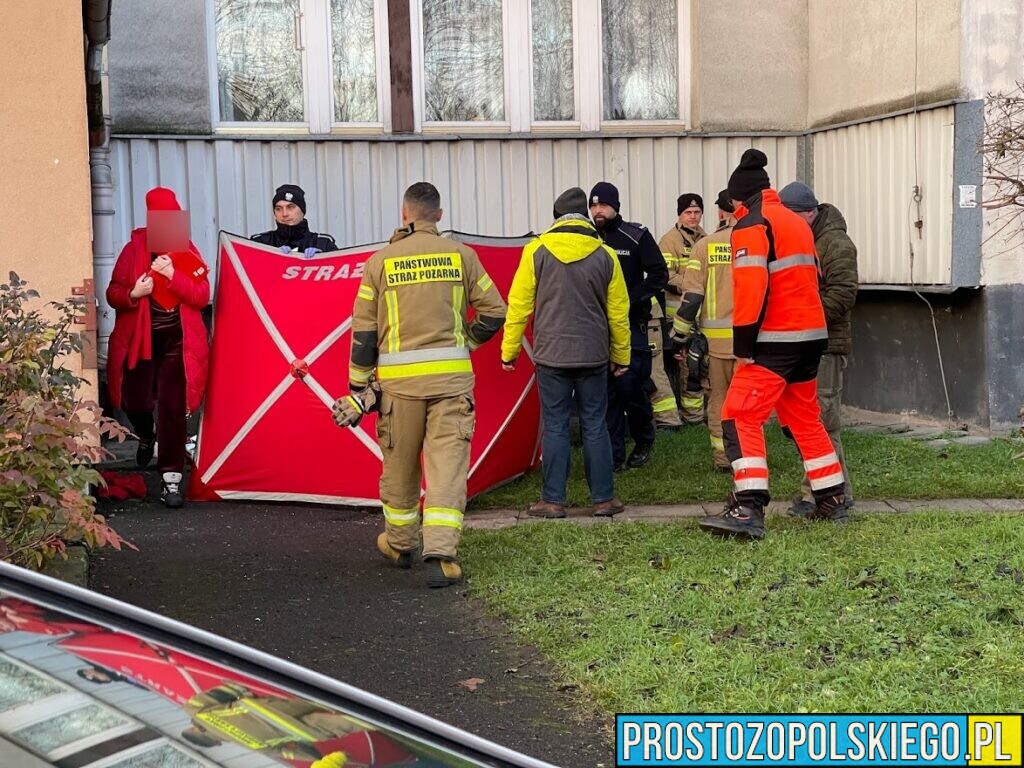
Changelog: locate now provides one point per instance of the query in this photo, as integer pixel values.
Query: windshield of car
(77, 693)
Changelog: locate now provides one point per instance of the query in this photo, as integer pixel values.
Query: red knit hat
(161, 199)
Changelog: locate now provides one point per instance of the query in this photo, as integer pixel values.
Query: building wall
(158, 67)
(992, 62)
(869, 172)
(894, 366)
(44, 164)
(750, 65)
(861, 56)
(354, 188)
(159, 70)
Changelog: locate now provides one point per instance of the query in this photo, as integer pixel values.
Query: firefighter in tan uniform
(662, 395)
(409, 328)
(677, 246)
(707, 302)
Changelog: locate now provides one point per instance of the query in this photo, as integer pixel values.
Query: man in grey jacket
(572, 285)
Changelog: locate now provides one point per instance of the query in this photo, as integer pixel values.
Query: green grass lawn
(891, 613)
(882, 467)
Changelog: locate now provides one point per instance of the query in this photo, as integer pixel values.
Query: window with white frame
(259, 61)
(524, 65)
(300, 65)
(491, 65)
(554, 60)
(640, 59)
(463, 61)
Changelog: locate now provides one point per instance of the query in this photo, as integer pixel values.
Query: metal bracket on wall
(86, 295)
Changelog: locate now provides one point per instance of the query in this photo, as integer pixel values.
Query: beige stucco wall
(993, 62)
(749, 65)
(45, 148)
(861, 56)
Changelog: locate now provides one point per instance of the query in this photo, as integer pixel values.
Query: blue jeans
(559, 387)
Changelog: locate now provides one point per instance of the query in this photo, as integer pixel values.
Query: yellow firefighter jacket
(409, 320)
(707, 294)
(677, 248)
(230, 713)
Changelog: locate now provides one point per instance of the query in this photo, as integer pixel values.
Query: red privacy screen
(279, 360)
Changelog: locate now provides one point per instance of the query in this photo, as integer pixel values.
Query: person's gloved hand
(285, 248)
(349, 409)
(309, 253)
(680, 347)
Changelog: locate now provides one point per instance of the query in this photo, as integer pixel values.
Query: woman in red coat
(158, 355)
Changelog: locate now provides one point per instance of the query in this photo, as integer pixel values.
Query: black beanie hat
(573, 200)
(605, 192)
(292, 194)
(750, 176)
(687, 199)
(724, 202)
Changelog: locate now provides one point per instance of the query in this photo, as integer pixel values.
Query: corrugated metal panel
(868, 172)
(354, 188)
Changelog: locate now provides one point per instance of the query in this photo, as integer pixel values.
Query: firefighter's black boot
(833, 508)
(743, 522)
(442, 573)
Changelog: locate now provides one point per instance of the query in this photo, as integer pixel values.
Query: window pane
(355, 61)
(463, 60)
(164, 756)
(553, 85)
(19, 686)
(61, 730)
(641, 59)
(259, 70)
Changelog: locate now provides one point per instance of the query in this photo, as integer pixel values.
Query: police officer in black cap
(292, 233)
(644, 270)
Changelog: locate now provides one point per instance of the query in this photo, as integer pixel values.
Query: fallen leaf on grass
(472, 683)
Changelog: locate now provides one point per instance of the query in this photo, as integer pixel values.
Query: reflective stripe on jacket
(677, 248)
(775, 278)
(707, 293)
(409, 320)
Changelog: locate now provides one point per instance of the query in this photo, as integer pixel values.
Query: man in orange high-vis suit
(779, 335)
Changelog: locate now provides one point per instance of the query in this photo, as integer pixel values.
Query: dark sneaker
(619, 466)
(832, 508)
(739, 521)
(608, 508)
(399, 558)
(668, 427)
(641, 455)
(442, 573)
(170, 493)
(546, 510)
(802, 508)
(144, 454)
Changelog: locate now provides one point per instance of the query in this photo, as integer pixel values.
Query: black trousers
(629, 405)
(159, 382)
